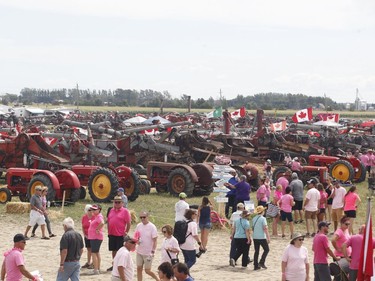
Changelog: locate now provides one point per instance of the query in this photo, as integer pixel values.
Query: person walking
(37, 213)
(241, 236)
(296, 186)
(231, 194)
(192, 237)
(118, 223)
(45, 213)
(148, 237)
(85, 221)
(95, 234)
(123, 264)
(351, 202)
(295, 260)
(311, 206)
(71, 248)
(204, 219)
(285, 204)
(180, 207)
(338, 195)
(340, 236)
(169, 248)
(13, 267)
(261, 238)
(321, 251)
(235, 216)
(263, 191)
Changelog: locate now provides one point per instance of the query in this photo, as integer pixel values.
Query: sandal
(45, 238)
(52, 235)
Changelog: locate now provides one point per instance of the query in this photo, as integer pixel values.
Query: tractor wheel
(145, 187)
(103, 185)
(179, 180)
(23, 197)
(342, 170)
(41, 180)
(75, 194)
(132, 186)
(360, 176)
(83, 193)
(160, 188)
(278, 172)
(5, 195)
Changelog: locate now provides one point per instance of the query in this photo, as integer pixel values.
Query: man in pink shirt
(13, 267)
(321, 251)
(119, 221)
(284, 180)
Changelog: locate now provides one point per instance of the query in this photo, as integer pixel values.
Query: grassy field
(161, 208)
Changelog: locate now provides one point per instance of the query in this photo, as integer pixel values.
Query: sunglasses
(118, 202)
(301, 239)
(347, 224)
(132, 242)
(142, 217)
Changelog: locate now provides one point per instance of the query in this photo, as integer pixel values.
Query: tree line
(151, 98)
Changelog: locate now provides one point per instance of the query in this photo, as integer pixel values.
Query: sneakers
(262, 265)
(94, 272)
(232, 262)
(257, 267)
(91, 266)
(86, 265)
(110, 268)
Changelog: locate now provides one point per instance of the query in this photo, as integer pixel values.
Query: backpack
(180, 230)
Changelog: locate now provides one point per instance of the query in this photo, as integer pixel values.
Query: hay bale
(17, 207)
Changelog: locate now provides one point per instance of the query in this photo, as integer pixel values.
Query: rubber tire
(75, 194)
(42, 180)
(341, 170)
(83, 193)
(360, 176)
(132, 186)
(5, 195)
(179, 180)
(23, 198)
(278, 172)
(145, 187)
(108, 193)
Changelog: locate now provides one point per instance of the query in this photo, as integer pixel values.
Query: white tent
(135, 120)
(161, 119)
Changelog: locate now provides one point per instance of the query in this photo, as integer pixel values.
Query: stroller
(340, 270)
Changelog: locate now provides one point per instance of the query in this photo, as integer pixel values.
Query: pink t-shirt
(285, 203)
(350, 200)
(147, 232)
(320, 246)
(117, 221)
(13, 259)
(323, 199)
(355, 242)
(284, 183)
(85, 225)
(296, 166)
(342, 237)
(262, 193)
(190, 241)
(364, 159)
(277, 195)
(296, 260)
(92, 233)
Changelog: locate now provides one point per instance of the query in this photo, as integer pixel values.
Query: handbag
(173, 261)
(272, 211)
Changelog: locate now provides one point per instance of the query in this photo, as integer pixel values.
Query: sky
(197, 48)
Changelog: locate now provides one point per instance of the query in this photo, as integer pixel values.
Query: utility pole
(77, 97)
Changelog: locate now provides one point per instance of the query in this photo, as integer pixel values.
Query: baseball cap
(182, 195)
(120, 189)
(18, 238)
(240, 205)
(311, 181)
(323, 224)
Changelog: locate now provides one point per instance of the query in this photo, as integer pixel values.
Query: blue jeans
(189, 257)
(71, 270)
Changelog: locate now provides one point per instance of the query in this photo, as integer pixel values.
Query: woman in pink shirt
(323, 202)
(85, 228)
(276, 197)
(95, 234)
(286, 203)
(262, 192)
(340, 236)
(351, 202)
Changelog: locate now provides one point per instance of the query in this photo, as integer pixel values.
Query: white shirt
(123, 259)
(338, 200)
(190, 240)
(235, 216)
(314, 196)
(168, 243)
(180, 208)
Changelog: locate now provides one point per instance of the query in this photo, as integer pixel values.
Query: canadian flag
(333, 117)
(366, 261)
(238, 113)
(280, 126)
(303, 115)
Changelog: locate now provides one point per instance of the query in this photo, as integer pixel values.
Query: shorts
(322, 210)
(337, 214)
(95, 245)
(351, 213)
(206, 225)
(144, 260)
(87, 243)
(36, 218)
(298, 205)
(286, 216)
(115, 242)
(310, 215)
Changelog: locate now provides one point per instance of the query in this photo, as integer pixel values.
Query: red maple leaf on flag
(277, 125)
(235, 113)
(302, 115)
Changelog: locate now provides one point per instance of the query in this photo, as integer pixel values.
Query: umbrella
(135, 120)
(160, 119)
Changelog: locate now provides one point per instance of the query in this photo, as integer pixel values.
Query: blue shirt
(241, 225)
(242, 191)
(258, 223)
(232, 191)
